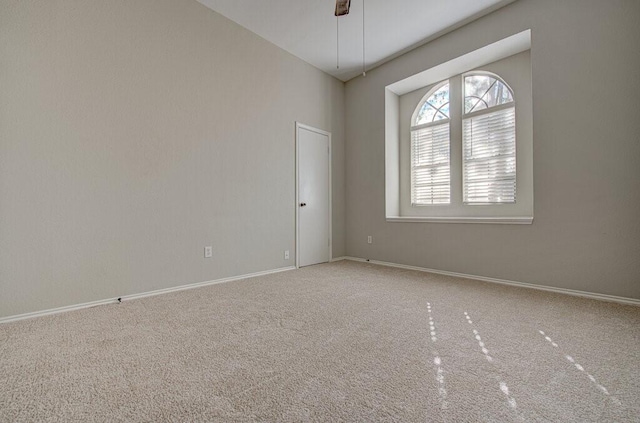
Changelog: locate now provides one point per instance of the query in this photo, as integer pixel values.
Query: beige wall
(586, 142)
(134, 133)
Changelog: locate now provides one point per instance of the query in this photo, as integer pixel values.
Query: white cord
(364, 69)
(337, 42)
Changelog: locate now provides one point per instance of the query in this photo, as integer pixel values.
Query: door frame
(297, 204)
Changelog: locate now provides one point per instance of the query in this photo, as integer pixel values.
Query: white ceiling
(307, 28)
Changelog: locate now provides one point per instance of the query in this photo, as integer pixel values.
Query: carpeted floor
(337, 342)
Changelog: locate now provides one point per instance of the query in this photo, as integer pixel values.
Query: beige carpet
(337, 342)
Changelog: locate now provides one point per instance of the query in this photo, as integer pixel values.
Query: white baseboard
(592, 295)
(576, 293)
(140, 295)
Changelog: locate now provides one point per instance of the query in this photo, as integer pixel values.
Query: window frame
(440, 122)
(488, 110)
(457, 118)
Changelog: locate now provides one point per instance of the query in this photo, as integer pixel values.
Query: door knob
(303, 204)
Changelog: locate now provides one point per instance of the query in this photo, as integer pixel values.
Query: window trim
(398, 118)
(515, 220)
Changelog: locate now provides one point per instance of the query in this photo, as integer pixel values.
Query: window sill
(491, 220)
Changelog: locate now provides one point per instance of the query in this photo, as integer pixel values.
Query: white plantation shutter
(489, 157)
(430, 158)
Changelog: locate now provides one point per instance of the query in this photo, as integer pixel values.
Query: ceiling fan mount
(342, 7)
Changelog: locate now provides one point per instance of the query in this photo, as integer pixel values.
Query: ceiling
(307, 28)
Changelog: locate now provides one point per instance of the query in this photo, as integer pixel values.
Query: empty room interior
(319, 210)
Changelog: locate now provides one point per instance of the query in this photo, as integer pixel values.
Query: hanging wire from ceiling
(364, 66)
(337, 42)
(342, 8)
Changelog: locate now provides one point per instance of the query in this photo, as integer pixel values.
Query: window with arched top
(484, 91)
(488, 140)
(430, 152)
(435, 107)
(459, 145)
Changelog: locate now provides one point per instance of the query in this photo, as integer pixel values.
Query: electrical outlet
(286, 255)
(208, 252)
(369, 239)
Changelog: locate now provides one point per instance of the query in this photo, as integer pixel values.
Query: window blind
(430, 173)
(489, 158)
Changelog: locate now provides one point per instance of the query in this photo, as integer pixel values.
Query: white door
(314, 195)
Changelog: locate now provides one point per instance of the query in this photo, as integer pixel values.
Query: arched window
(435, 107)
(430, 153)
(456, 140)
(488, 140)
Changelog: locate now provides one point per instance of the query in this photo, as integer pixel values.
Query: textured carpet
(338, 342)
